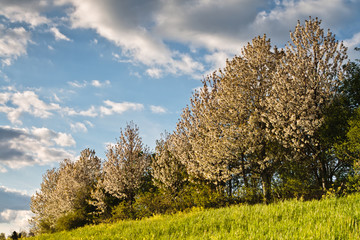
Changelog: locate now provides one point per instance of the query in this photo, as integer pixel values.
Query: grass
(335, 218)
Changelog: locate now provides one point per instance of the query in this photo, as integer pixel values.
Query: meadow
(331, 218)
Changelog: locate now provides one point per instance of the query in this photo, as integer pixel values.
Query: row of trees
(273, 124)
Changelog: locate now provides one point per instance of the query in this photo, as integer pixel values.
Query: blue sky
(74, 72)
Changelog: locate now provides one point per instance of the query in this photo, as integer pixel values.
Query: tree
(43, 204)
(351, 84)
(64, 191)
(243, 94)
(226, 123)
(167, 171)
(74, 186)
(307, 81)
(14, 235)
(126, 166)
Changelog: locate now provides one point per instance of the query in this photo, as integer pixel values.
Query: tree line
(273, 124)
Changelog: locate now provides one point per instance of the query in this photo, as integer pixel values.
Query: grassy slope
(326, 219)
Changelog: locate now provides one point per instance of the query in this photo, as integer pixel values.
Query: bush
(71, 220)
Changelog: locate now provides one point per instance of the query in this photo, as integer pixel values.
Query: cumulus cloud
(215, 25)
(279, 20)
(128, 25)
(21, 147)
(15, 220)
(25, 11)
(119, 108)
(14, 104)
(13, 43)
(13, 199)
(46, 135)
(145, 30)
(14, 210)
(157, 109)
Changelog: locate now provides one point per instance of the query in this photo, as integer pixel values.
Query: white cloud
(94, 83)
(13, 43)
(97, 83)
(217, 59)
(58, 35)
(78, 127)
(4, 189)
(129, 26)
(3, 169)
(119, 108)
(157, 109)
(64, 140)
(14, 104)
(91, 112)
(56, 98)
(353, 42)
(90, 124)
(49, 137)
(14, 209)
(36, 146)
(154, 72)
(25, 11)
(77, 84)
(15, 220)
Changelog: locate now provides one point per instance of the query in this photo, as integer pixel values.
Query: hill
(332, 218)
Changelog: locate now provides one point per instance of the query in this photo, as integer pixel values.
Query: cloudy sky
(73, 72)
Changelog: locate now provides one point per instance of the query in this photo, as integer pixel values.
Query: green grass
(335, 218)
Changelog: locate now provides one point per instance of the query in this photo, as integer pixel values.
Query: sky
(73, 73)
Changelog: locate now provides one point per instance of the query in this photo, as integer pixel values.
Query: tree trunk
(243, 171)
(266, 186)
(323, 175)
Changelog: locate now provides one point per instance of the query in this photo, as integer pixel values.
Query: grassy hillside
(325, 219)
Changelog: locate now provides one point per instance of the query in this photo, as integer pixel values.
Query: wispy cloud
(91, 112)
(97, 83)
(157, 109)
(15, 103)
(94, 83)
(78, 127)
(77, 84)
(119, 107)
(58, 35)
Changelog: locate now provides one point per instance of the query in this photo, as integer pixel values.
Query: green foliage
(296, 181)
(201, 195)
(123, 210)
(351, 85)
(333, 218)
(353, 183)
(71, 220)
